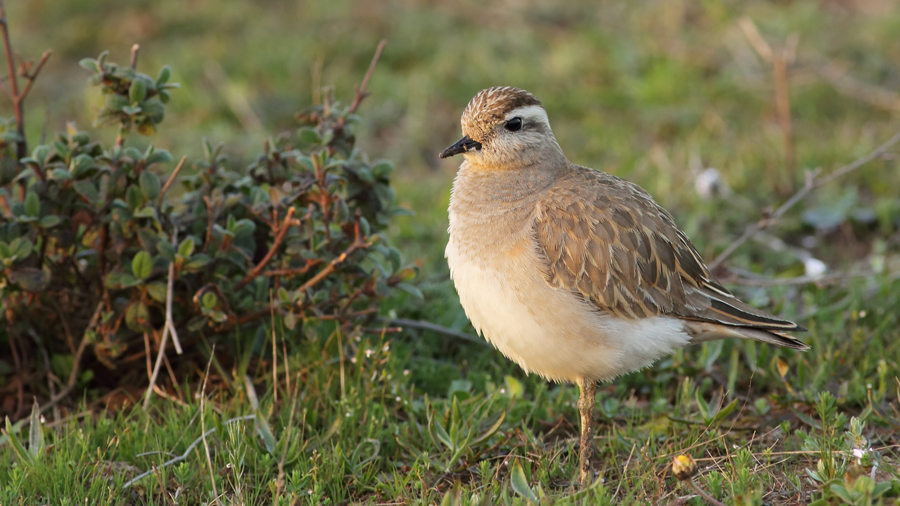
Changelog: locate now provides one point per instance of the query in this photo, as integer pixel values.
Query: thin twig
(812, 183)
(282, 231)
(168, 328)
(187, 452)
(211, 220)
(203, 434)
(357, 243)
(801, 280)
(702, 493)
(169, 182)
(13, 92)
(433, 327)
(361, 89)
(170, 323)
(134, 55)
(843, 83)
(33, 75)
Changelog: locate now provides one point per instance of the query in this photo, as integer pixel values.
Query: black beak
(461, 146)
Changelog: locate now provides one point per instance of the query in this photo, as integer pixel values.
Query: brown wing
(608, 241)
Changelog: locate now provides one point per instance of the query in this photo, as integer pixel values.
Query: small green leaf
(88, 191)
(491, 431)
(131, 110)
(157, 291)
(20, 248)
(50, 221)
(35, 437)
(150, 184)
(80, 165)
(18, 448)
(164, 73)
(166, 250)
(290, 321)
(264, 432)
(60, 175)
(134, 197)
(142, 265)
(197, 262)
(127, 280)
(703, 405)
(218, 316)
(138, 91)
(186, 248)
(520, 483)
(90, 64)
(159, 156)
(209, 300)
(145, 212)
(724, 412)
(309, 135)
(382, 169)
(32, 205)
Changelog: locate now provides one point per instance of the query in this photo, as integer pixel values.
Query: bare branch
(33, 75)
(187, 452)
(812, 183)
(282, 231)
(168, 328)
(756, 40)
(169, 182)
(361, 90)
(134, 55)
(328, 269)
(433, 327)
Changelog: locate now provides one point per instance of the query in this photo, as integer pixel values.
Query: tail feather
(701, 332)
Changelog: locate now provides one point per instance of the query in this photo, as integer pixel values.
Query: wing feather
(606, 240)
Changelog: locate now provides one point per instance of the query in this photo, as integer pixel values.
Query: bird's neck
(524, 183)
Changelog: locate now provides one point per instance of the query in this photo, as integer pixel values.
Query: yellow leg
(586, 407)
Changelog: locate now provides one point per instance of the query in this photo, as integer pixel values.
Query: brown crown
(491, 106)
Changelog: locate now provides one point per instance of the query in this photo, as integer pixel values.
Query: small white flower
(309, 492)
(709, 184)
(859, 453)
(862, 314)
(369, 353)
(814, 267)
(406, 372)
(353, 360)
(386, 348)
(397, 398)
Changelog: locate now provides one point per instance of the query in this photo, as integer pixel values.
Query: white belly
(547, 330)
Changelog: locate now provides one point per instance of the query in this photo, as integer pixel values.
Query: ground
(655, 92)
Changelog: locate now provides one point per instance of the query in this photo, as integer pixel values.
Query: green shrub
(94, 239)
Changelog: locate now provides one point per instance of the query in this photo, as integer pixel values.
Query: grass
(650, 91)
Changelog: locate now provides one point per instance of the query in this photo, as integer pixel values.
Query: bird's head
(505, 127)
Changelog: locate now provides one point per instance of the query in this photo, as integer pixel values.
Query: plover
(575, 274)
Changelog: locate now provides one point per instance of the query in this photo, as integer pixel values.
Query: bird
(573, 273)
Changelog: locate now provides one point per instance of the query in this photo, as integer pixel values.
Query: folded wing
(608, 241)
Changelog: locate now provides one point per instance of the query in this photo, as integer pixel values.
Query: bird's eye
(514, 125)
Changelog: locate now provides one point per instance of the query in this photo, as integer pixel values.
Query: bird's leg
(586, 407)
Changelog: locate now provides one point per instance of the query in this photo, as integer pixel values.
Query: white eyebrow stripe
(531, 112)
